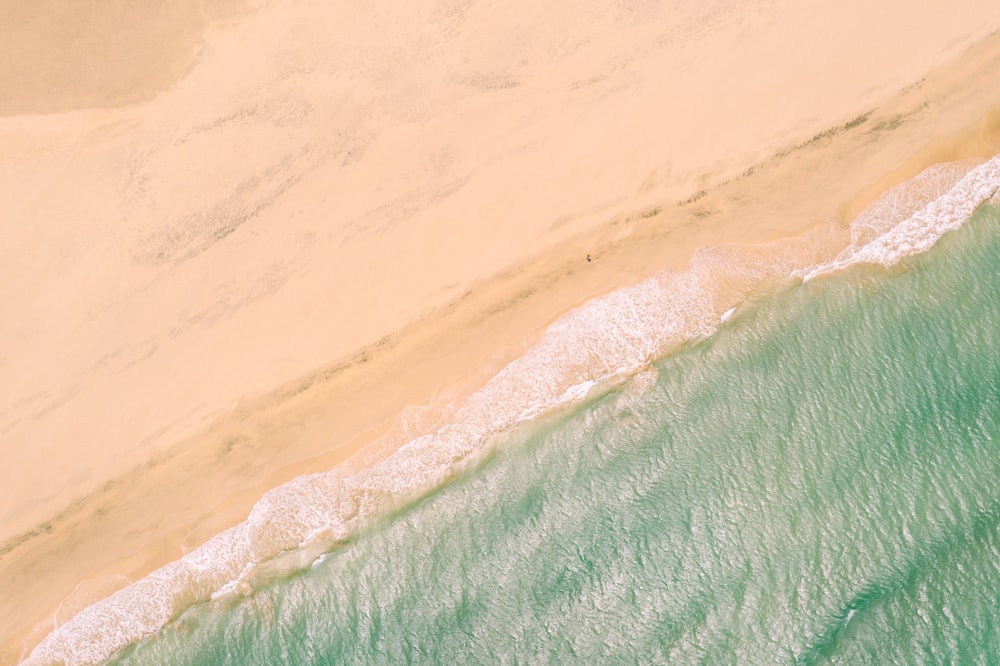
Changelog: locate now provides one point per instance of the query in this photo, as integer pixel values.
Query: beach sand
(245, 254)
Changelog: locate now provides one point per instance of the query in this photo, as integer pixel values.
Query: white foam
(97, 632)
(617, 334)
(578, 392)
(922, 228)
(901, 202)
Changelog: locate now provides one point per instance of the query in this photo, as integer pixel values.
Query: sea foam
(885, 233)
(619, 333)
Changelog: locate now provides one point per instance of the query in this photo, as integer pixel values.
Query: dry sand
(240, 239)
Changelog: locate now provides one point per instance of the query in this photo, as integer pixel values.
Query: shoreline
(220, 473)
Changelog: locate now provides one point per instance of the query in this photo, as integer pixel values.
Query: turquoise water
(817, 482)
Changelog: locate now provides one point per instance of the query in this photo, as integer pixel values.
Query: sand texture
(240, 239)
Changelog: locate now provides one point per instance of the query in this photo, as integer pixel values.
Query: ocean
(762, 459)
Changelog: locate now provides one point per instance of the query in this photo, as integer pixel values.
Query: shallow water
(814, 483)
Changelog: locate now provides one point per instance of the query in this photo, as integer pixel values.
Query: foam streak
(919, 232)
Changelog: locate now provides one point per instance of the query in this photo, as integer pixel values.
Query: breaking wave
(910, 218)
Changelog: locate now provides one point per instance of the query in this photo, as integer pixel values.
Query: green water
(816, 483)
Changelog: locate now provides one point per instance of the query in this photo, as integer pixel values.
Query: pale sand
(368, 207)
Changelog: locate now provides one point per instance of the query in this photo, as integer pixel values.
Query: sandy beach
(287, 231)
